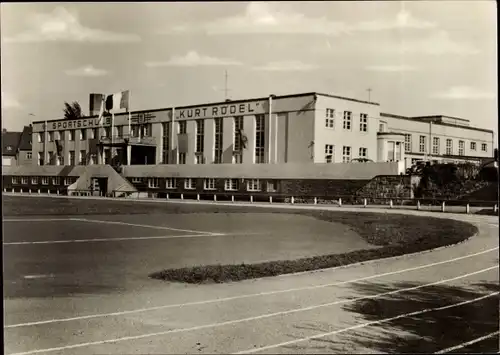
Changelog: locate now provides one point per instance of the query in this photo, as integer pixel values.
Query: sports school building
(300, 128)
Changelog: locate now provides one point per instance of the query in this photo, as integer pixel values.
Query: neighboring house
(10, 144)
(24, 154)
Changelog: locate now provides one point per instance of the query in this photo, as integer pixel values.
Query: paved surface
(418, 303)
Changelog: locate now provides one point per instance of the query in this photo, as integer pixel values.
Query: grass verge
(397, 234)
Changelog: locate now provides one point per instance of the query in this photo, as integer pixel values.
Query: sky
(417, 57)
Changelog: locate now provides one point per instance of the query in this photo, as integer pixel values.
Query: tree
(72, 111)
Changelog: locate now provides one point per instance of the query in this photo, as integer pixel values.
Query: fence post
(443, 206)
(251, 198)
(390, 204)
(315, 200)
(168, 196)
(197, 197)
(467, 208)
(39, 191)
(418, 205)
(365, 202)
(182, 196)
(340, 202)
(495, 209)
(270, 199)
(232, 198)
(292, 200)
(215, 197)
(29, 191)
(57, 191)
(12, 190)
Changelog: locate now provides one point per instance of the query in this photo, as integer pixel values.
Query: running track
(303, 313)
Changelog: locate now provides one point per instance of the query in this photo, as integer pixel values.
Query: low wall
(340, 171)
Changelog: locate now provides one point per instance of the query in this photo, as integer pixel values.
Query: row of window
(208, 184)
(35, 180)
(436, 148)
(238, 140)
(346, 153)
(347, 120)
(82, 158)
(144, 130)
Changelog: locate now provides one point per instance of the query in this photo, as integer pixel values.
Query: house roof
(10, 143)
(26, 139)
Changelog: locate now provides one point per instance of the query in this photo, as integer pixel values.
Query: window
(199, 158)
(61, 136)
(484, 147)
(51, 158)
(83, 157)
(330, 118)
(189, 184)
(71, 134)
(171, 183)
(153, 183)
(237, 145)
(421, 146)
(40, 137)
(34, 180)
(363, 122)
(136, 180)
(166, 142)
(435, 145)
(182, 127)
(238, 126)
(346, 154)
(83, 135)
(147, 130)
(45, 180)
(259, 139)
(200, 133)
(253, 185)
(329, 153)
(29, 155)
(472, 145)
(15, 180)
(407, 143)
(398, 151)
(182, 158)
(51, 136)
(24, 180)
(347, 120)
(56, 180)
(363, 152)
(40, 158)
(272, 186)
(68, 181)
(231, 185)
(119, 131)
(95, 133)
(449, 147)
(209, 184)
(107, 156)
(60, 159)
(107, 132)
(218, 140)
(72, 157)
(461, 147)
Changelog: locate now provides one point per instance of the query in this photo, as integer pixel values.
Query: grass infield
(396, 234)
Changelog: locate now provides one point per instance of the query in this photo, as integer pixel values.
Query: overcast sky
(418, 57)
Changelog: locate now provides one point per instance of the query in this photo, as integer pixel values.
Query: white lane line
(242, 320)
(141, 225)
(367, 324)
(113, 239)
(463, 345)
(38, 219)
(28, 277)
(251, 295)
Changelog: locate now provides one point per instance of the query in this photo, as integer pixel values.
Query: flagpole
(112, 135)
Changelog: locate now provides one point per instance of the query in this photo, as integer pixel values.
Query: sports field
(76, 280)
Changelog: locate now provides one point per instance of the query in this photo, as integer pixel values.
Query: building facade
(17, 148)
(300, 128)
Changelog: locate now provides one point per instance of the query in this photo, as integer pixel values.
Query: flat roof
(230, 102)
(416, 119)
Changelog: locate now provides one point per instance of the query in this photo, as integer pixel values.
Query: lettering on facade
(143, 117)
(82, 123)
(240, 109)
